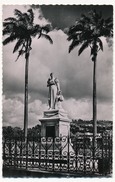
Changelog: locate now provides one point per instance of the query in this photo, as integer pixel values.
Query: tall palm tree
(87, 32)
(22, 29)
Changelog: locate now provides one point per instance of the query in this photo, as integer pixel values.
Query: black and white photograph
(57, 97)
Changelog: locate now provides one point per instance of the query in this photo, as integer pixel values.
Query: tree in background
(10, 132)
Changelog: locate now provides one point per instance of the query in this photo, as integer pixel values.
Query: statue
(54, 94)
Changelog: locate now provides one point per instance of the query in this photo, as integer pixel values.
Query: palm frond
(108, 20)
(31, 16)
(76, 28)
(8, 27)
(21, 52)
(83, 47)
(29, 43)
(86, 34)
(26, 20)
(85, 18)
(6, 24)
(10, 19)
(47, 37)
(18, 44)
(73, 36)
(107, 31)
(36, 29)
(39, 33)
(18, 13)
(94, 48)
(7, 30)
(46, 28)
(9, 39)
(108, 24)
(74, 44)
(100, 43)
(92, 51)
(94, 17)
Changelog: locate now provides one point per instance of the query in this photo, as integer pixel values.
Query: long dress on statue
(52, 84)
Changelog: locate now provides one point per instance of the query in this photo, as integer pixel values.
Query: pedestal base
(55, 123)
(55, 127)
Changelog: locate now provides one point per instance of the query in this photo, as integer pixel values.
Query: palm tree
(22, 29)
(88, 32)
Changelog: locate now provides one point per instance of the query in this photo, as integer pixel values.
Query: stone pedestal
(55, 123)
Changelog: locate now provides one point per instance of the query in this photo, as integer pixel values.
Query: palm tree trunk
(26, 98)
(94, 100)
(94, 111)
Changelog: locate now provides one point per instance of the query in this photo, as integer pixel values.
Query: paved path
(7, 173)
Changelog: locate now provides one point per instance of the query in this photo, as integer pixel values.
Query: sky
(74, 72)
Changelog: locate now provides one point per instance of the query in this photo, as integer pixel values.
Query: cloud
(13, 112)
(78, 108)
(64, 16)
(82, 109)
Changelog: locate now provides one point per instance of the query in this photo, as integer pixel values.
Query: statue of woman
(54, 88)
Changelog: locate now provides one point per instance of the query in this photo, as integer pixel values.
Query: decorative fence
(61, 154)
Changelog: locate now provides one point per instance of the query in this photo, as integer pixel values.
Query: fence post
(26, 143)
(33, 148)
(46, 152)
(76, 152)
(4, 154)
(110, 152)
(21, 153)
(84, 152)
(53, 153)
(15, 153)
(10, 153)
(100, 160)
(109, 156)
(60, 151)
(39, 143)
(68, 153)
(94, 147)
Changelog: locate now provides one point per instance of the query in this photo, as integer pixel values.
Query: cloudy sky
(73, 71)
